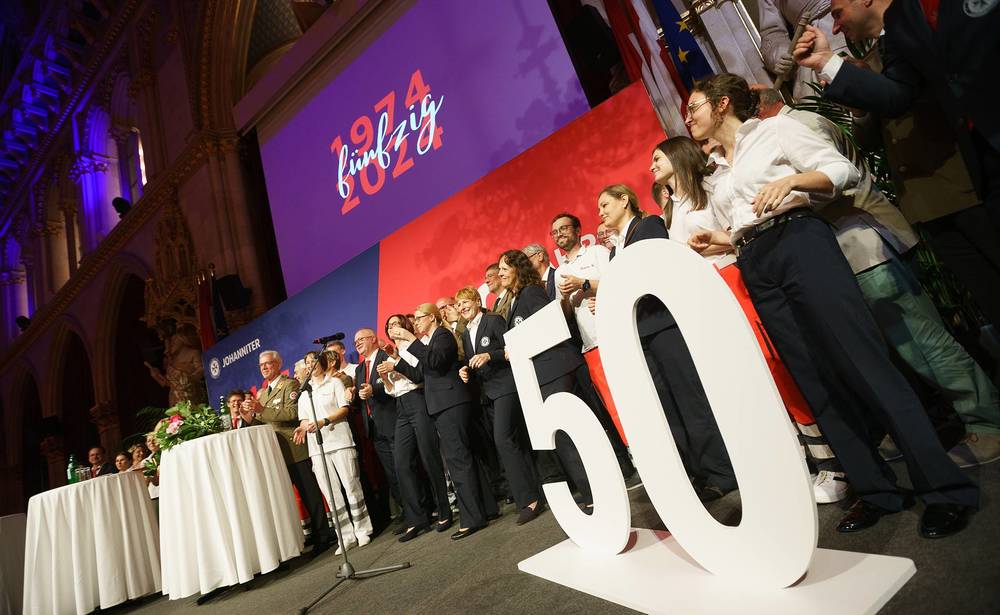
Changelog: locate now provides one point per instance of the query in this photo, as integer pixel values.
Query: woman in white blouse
(681, 165)
(341, 459)
(806, 294)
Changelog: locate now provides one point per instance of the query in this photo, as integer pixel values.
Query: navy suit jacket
(383, 405)
(957, 63)
(495, 378)
(561, 359)
(443, 388)
(651, 316)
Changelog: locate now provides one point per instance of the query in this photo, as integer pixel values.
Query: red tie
(368, 404)
(931, 11)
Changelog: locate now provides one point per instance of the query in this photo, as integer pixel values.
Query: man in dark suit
(276, 404)
(675, 377)
(501, 305)
(539, 257)
(951, 50)
(98, 465)
(378, 408)
(486, 365)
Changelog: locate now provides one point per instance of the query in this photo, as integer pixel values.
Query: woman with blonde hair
(450, 405)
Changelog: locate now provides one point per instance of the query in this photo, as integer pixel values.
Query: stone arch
(69, 392)
(222, 49)
(30, 460)
(123, 383)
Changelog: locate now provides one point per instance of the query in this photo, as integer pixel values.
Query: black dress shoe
(527, 514)
(412, 533)
(940, 520)
(443, 527)
(460, 534)
(396, 531)
(862, 515)
(321, 547)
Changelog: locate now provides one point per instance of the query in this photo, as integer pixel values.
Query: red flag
(206, 324)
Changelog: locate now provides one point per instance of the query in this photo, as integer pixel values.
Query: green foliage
(185, 421)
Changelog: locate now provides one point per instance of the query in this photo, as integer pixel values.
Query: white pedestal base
(656, 576)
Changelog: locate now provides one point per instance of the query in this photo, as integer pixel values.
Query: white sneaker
(829, 487)
(340, 548)
(363, 540)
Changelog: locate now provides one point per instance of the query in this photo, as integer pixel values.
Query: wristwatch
(586, 285)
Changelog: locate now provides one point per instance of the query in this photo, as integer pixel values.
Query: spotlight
(121, 205)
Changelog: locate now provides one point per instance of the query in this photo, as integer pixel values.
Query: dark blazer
(105, 469)
(957, 63)
(495, 378)
(561, 359)
(443, 388)
(381, 404)
(650, 314)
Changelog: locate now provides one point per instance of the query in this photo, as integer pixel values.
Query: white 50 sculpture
(775, 541)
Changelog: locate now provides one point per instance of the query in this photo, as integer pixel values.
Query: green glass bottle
(71, 469)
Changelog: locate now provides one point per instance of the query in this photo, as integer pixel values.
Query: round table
(227, 511)
(91, 544)
(12, 528)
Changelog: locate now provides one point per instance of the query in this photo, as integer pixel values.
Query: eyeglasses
(361, 339)
(566, 228)
(693, 106)
(263, 363)
(416, 317)
(606, 234)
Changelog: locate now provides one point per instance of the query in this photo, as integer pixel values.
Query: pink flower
(175, 424)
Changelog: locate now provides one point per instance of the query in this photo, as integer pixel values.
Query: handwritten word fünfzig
(426, 122)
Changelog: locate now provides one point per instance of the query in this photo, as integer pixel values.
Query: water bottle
(71, 468)
(224, 416)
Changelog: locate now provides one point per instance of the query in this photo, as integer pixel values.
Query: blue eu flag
(684, 50)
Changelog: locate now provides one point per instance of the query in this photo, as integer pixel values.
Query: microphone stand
(347, 571)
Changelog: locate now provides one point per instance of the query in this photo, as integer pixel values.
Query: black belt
(772, 223)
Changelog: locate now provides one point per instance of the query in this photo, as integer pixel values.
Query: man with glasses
(377, 408)
(606, 236)
(577, 279)
(276, 404)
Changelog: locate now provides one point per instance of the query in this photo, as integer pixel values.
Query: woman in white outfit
(339, 454)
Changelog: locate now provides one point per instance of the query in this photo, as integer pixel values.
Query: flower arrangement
(183, 422)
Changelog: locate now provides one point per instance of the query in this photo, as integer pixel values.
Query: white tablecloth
(227, 511)
(12, 529)
(91, 544)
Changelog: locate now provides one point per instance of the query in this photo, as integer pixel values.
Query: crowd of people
(780, 201)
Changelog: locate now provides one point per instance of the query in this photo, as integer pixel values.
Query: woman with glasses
(556, 368)
(680, 165)
(450, 405)
(416, 439)
(329, 396)
(807, 296)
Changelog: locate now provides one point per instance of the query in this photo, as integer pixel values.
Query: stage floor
(957, 575)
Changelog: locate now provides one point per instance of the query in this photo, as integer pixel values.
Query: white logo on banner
(214, 368)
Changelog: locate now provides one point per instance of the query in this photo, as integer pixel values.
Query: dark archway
(134, 345)
(79, 432)
(34, 467)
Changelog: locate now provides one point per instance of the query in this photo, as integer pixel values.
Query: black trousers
(592, 398)
(456, 445)
(809, 300)
(565, 461)
(687, 410)
(968, 241)
(417, 442)
(383, 439)
(510, 439)
(312, 499)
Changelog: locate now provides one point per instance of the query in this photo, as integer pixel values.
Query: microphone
(329, 338)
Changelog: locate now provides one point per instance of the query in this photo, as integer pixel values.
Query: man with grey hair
(276, 405)
(539, 258)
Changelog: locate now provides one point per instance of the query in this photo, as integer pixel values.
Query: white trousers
(344, 474)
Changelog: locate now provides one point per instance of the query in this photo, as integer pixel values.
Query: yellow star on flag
(682, 26)
(682, 55)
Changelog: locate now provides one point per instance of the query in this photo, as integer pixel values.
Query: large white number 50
(776, 538)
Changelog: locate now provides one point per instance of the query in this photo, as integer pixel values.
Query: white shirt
(329, 396)
(349, 368)
(684, 222)
(588, 264)
(401, 385)
(472, 327)
(772, 149)
(622, 232)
